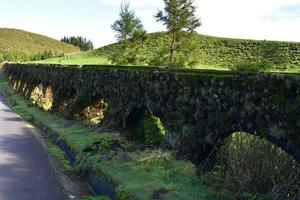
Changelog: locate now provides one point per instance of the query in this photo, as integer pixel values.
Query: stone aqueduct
(196, 107)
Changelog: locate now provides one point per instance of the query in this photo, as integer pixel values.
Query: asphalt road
(25, 172)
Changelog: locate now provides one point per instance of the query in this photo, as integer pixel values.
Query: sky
(249, 19)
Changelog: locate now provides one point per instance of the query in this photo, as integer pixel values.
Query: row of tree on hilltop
(83, 43)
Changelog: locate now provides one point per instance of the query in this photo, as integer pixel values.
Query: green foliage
(128, 55)
(26, 56)
(184, 56)
(122, 194)
(252, 66)
(178, 16)
(96, 198)
(150, 131)
(160, 58)
(272, 56)
(193, 50)
(17, 45)
(131, 50)
(142, 174)
(209, 52)
(83, 43)
(129, 27)
(56, 152)
(1, 57)
(127, 24)
(273, 53)
(253, 168)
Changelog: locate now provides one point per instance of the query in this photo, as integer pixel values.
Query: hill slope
(214, 51)
(24, 45)
(209, 52)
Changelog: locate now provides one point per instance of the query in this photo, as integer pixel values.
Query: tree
(131, 52)
(130, 31)
(83, 43)
(178, 16)
(127, 24)
(272, 53)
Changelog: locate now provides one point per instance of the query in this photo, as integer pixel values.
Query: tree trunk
(172, 49)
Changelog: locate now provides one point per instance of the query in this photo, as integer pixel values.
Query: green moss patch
(150, 174)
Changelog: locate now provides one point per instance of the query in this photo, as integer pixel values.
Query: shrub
(96, 198)
(184, 56)
(272, 52)
(251, 66)
(150, 131)
(130, 51)
(249, 165)
(160, 58)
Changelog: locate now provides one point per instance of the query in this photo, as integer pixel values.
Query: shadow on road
(25, 171)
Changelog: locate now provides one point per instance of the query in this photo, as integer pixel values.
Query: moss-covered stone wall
(196, 107)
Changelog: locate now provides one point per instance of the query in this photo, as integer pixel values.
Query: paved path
(25, 172)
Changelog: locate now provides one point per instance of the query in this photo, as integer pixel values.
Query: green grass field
(94, 59)
(90, 58)
(85, 58)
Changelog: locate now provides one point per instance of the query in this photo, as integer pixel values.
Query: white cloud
(247, 19)
(253, 19)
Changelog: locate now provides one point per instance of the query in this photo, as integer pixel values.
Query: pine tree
(177, 16)
(127, 24)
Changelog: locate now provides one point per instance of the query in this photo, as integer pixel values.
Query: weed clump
(150, 131)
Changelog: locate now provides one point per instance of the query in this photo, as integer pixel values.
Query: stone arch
(36, 93)
(62, 98)
(144, 126)
(90, 109)
(47, 101)
(209, 152)
(255, 159)
(134, 117)
(41, 95)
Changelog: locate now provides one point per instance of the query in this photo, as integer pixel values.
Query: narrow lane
(25, 172)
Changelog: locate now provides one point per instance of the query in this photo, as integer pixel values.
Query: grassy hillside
(213, 51)
(207, 51)
(18, 45)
